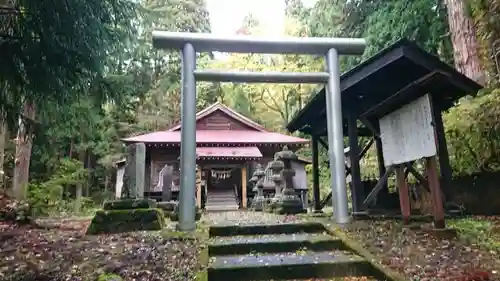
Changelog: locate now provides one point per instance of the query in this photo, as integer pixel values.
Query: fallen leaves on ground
(420, 256)
(246, 217)
(62, 251)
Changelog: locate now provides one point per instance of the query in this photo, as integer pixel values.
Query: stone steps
(284, 266)
(236, 245)
(222, 207)
(288, 251)
(221, 201)
(261, 229)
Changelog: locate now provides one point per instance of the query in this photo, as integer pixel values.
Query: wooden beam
(380, 184)
(329, 196)
(418, 176)
(321, 130)
(315, 175)
(404, 194)
(403, 96)
(437, 201)
(244, 187)
(198, 188)
(442, 150)
(380, 159)
(357, 192)
(371, 125)
(365, 149)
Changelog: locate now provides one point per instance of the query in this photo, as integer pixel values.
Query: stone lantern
(253, 182)
(289, 202)
(259, 200)
(276, 167)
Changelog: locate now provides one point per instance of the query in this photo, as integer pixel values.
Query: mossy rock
(116, 221)
(127, 204)
(174, 216)
(167, 206)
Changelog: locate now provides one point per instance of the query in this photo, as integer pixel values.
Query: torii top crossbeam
(207, 42)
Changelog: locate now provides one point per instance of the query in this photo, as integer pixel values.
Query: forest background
(76, 76)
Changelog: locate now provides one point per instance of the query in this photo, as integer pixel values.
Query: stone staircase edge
(360, 251)
(355, 259)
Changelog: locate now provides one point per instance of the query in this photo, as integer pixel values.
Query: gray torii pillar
(190, 43)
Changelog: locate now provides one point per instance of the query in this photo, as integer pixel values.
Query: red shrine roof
(244, 152)
(255, 134)
(219, 136)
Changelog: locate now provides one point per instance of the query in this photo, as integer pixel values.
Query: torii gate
(190, 43)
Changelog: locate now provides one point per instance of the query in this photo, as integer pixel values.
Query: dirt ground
(63, 252)
(420, 256)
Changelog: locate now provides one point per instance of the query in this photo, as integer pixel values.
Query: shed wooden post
(380, 159)
(357, 192)
(315, 174)
(244, 187)
(442, 149)
(437, 200)
(404, 194)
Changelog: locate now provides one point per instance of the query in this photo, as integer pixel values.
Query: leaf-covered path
(420, 256)
(65, 253)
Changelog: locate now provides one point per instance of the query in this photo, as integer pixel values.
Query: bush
(116, 221)
(127, 204)
(473, 134)
(14, 211)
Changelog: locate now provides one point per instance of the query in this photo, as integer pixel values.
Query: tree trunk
(465, 44)
(3, 136)
(80, 186)
(24, 143)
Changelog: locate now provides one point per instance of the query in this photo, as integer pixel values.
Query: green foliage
(109, 277)
(477, 231)
(473, 134)
(53, 196)
(117, 221)
(115, 86)
(382, 23)
(50, 48)
(127, 204)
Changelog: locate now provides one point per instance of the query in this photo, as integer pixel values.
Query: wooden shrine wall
(220, 121)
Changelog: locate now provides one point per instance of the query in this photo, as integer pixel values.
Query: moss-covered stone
(174, 216)
(127, 204)
(116, 221)
(168, 207)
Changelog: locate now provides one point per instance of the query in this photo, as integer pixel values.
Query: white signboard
(408, 134)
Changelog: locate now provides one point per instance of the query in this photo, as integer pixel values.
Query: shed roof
(383, 75)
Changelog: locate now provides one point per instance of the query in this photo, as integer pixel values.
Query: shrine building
(229, 146)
